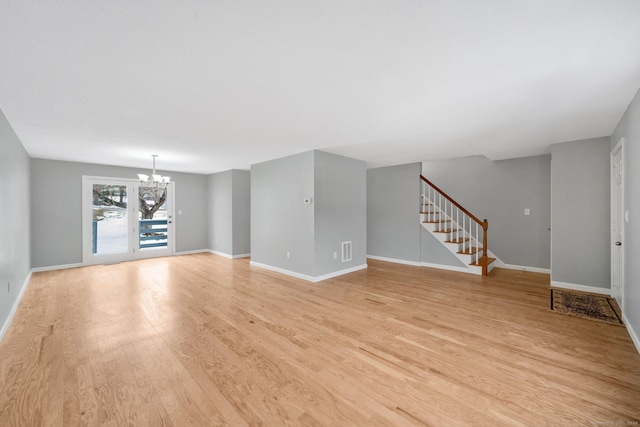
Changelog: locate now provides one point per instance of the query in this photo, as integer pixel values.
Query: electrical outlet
(527, 211)
(288, 254)
(335, 255)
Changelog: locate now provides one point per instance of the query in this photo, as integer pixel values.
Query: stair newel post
(485, 248)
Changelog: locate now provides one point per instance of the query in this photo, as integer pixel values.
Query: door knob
(618, 243)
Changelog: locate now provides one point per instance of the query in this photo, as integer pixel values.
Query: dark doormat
(587, 306)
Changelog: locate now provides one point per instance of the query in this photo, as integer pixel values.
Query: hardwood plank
(204, 340)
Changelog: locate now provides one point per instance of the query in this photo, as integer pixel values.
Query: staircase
(464, 235)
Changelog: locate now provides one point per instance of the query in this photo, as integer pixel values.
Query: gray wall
(393, 222)
(280, 221)
(56, 199)
(241, 210)
(15, 212)
(434, 252)
(500, 191)
(340, 211)
(629, 128)
(580, 215)
(220, 203)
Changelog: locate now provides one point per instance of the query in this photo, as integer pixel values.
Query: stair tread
(437, 221)
(470, 251)
(447, 230)
(430, 213)
(480, 262)
(466, 239)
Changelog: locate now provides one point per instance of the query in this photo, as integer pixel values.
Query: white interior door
(123, 221)
(617, 223)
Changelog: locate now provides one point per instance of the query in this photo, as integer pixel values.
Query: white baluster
(429, 214)
(440, 209)
(457, 221)
(464, 229)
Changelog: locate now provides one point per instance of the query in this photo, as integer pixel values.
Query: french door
(122, 220)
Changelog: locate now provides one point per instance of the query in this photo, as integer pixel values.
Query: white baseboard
(395, 260)
(57, 267)
(236, 256)
(12, 313)
(313, 279)
(447, 267)
(632, 332)
(197, 251)
(525, 268)
(226, 255)
(581, 288)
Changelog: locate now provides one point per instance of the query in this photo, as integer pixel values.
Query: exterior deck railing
(152, 233)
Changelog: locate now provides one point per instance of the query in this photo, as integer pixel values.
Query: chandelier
(154, 180)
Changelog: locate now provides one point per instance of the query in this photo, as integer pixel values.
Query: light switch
(626, 217)
(527, 211)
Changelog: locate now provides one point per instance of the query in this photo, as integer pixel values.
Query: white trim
(395, 260)
(236, 256)
(313, 279)
(57, 267)
(581, 288)
(14, 309)
(525, 268)
(196, 251)
(340, 272)
(111, 178)
(447, 267)
(632, 332)
(226, 255)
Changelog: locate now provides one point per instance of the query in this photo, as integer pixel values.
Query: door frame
(133, 252)
(619, 147)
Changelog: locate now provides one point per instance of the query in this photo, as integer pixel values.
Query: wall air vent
(346, 251)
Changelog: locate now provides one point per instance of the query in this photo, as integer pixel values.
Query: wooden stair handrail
(484, 223)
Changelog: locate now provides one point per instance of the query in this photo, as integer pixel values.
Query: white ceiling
(214, 85)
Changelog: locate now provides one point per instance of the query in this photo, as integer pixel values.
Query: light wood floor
(204, 340)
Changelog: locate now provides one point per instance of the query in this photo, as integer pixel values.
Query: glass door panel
(110, 220)
(154, 220)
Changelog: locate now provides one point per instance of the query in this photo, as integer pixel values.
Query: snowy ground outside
(113, 237)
